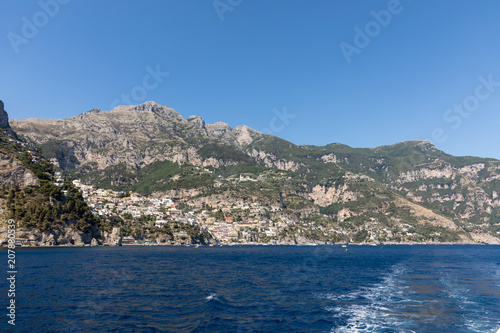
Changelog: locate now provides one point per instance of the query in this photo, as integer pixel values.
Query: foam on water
(476, 318)
(370, 308)
(247, 289)
(395, 304)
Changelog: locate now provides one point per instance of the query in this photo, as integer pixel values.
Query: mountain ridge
(152, 149)
(45, 213)
(48, 210)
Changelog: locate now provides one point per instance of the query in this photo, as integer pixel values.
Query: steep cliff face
(4, 121)
(324, 196)
(133, 135)
(151, 148)
(13, 172)
(45, 214)
(467, 192)
(63, 236)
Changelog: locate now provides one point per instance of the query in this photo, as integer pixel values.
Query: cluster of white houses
(109, 203)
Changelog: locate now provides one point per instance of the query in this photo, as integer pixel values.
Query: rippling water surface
(259, 289)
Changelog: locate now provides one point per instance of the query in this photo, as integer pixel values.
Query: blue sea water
(447, 288)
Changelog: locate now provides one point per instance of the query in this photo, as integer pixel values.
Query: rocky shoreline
(67, 236)
(63, 236)
(55, 239)
(248, 244)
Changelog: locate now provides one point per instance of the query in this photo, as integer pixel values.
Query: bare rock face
(344, 213)
(197, 121)
(130, 138)
(485, 238)
(425, 173)
(4, 120)
(183, 239)
(245, 135)
(164, 239)
(48, 239)
(12, 173)
(148, 106)
(136, 136)
(330, 158)
(69, 236)
(63, 236)
(218, 128)
(113, 238)
(271, 161)
(324, 196)
(180, 194)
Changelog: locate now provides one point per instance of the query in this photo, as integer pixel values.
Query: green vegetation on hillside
(158, 176)
(44, 206)
(47, 206)
(334, 187)
(223, 152)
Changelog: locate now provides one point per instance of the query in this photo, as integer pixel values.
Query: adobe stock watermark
(138, 94)
(223, 6)
(11, 272)
(30, 27)
(455, 115)
(279, 122)
(373, 28)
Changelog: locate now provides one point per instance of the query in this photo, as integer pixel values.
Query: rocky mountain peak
(245, 128)
(420, 143)
(426, 147)
(197, 121)
(218, 128)
(149, 106)
(410, 147)
(94, 111)
(146, 106)
(396, 191)
(245, 134)
(4, 118)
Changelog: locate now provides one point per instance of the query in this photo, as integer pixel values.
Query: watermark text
(455, 115)
(223, 6)
(30, 27)
(11, 272)
(373, 28)
(138, 94)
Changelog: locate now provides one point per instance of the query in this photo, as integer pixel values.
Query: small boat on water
(344, 245)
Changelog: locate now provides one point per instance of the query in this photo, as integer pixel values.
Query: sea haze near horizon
(397, 288)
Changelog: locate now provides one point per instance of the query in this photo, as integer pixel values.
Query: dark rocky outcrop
(63, 236)
(4, 120)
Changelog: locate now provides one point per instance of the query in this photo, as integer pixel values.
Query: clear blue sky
(240, 61)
